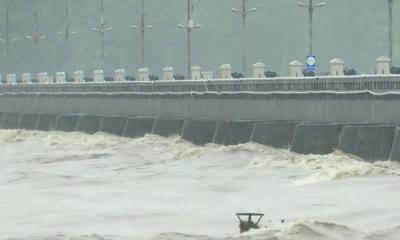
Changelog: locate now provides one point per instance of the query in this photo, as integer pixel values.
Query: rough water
(63, 186)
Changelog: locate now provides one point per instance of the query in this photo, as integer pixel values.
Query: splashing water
(57, 185)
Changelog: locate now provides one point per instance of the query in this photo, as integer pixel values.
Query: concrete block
(274, 134)
(67, 123)
(168, 127)
(370, 143)
(233, 133)
(47, 122)
(195, 73)
(60, 77)
(26, 78)
(119, 75)
(11, 78)
(28, 121)
(43, 78)
(10, 120)
(226, 71)
(79, 77)
(138, 127)
(113, 125)
(296, 69)
(259, 70)
(143, 75)
(89, 124)
(199, 132)
(337, 67)
(98, 76)
(316, 138)
(168, 73)
(383, 65)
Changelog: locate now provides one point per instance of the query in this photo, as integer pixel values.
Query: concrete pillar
(337, 67)
(50, 79)
(98, 76)
(259, 70)
(26, 78)
(43, 78)
(208, 75)
(168, 73)
(79, 77)
(119, 75)
(143, 74)
(296, 69)
(382, 66)
(195, 73)
(60, 77)
(11, 78)
(226, 71)
(1, 79)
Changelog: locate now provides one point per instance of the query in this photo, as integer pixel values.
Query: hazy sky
(354, 30)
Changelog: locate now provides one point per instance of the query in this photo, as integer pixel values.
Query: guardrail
(354, 83)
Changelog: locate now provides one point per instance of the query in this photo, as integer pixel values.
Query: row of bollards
(296, 70)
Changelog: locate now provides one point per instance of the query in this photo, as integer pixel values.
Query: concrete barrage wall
(372, 143)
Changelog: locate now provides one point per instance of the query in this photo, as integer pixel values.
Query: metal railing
(354, 83)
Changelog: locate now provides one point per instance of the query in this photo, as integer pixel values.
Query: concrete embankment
(28, 121)
(370, 142)
(138, 127)
(316, 138)
(233, 133)
(47, 122)
(168, 127)
(113, 125)
(89, 124)
(274, 134)
(199, 132)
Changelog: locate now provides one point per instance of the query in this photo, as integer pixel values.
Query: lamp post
(311, 6)
(102, 30)
(67, 34)
(244, 12)
(143, 28)
(391, 32)
(7, 41)
(36, 36)
(191, 26)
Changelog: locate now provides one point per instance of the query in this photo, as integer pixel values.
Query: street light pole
(311, 6)
(7, 40)
(102, 30)
(36, 36)
(67, 34)
(391, 32)
(244, 12)
(189, 28)
(143, 28)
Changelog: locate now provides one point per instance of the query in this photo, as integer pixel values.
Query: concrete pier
(395, 152)
(199, 132)
(372, 143)
(274, 134)
(233, 133)
(316, 138)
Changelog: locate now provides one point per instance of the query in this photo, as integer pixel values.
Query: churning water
(66, 186)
